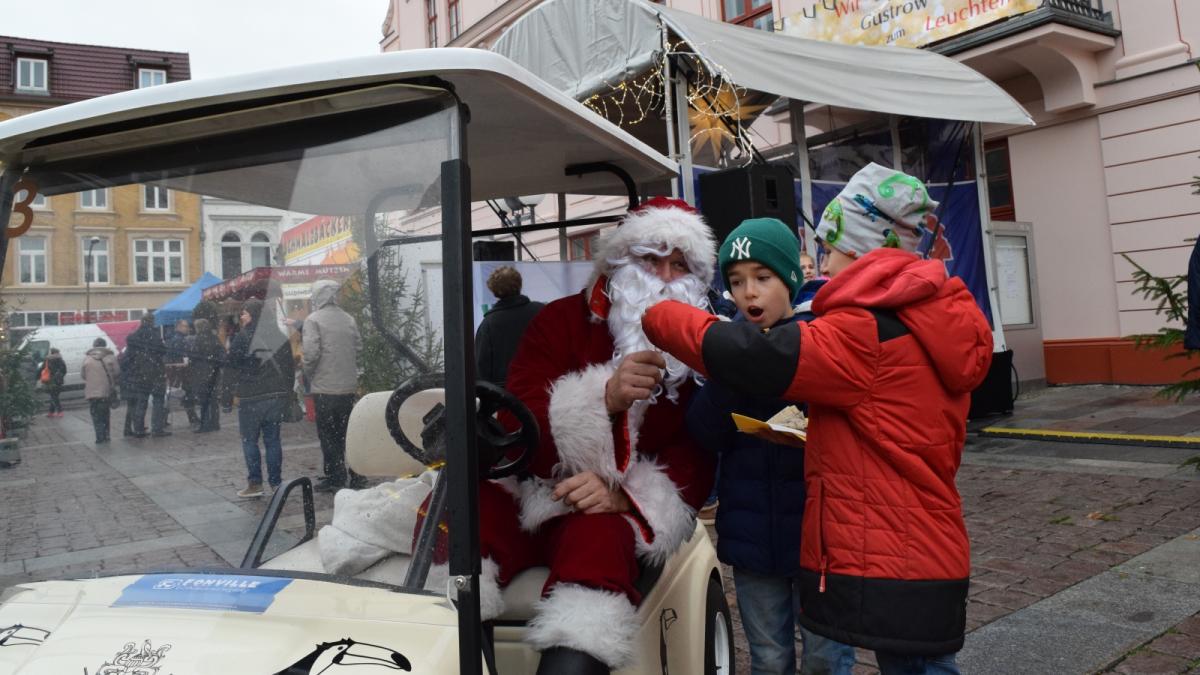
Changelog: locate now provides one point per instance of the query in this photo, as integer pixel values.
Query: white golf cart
(377, 140)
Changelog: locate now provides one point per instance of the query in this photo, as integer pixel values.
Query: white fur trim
(670, 228)
(579, 423)
(491, 602)
(657, 499)
(600, 623)
(537, 506)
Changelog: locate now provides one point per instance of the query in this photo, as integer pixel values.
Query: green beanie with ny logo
(769, 242)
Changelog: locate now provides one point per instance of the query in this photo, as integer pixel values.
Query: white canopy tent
(585, 47)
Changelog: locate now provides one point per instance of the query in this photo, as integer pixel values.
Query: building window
(155, 198)
(38, 202)
(999, 180)
(95, 266)
(93, 199)
(33, 260)
(151, 77)
(158, 261)
(431, 22)
(32, 76)
(260, 250)
(455, 16)
(583, 246)
(752, 13)
(231, 255)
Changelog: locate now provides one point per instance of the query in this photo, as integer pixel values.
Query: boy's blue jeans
(769, 607)
(262, 417)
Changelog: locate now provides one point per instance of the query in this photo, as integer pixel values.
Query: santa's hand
(587, 493)
(635, 379)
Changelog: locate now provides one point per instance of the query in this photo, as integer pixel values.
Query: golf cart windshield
(280, 205)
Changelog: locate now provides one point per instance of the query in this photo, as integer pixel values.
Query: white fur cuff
(600, 623)
(491, 602)
(537, 503)
(656, 499)
(580, 425)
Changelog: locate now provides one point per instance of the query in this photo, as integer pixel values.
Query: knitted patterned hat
(661, 224)
(878, 208)
(768, 241)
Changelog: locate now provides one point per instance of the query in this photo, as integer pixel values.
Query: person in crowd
(146, 379)
(176, 362)
(331, 344)
(228, 383)
(503, 325)
(53, 371)
(887, 369)
(261, 359)
(616, 478)
(204, 375)
(760, 487)
(808, 267)
(100, 376)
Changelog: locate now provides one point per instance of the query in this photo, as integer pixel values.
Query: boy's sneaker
(708, 514)
(251, 490)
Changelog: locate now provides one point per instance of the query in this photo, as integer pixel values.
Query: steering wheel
(496, 443)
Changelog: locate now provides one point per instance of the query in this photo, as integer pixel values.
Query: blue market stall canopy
(181, 306)
(584, 47)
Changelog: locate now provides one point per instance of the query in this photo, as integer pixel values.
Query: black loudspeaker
(494, 250)
(730, 196)
(995, 395)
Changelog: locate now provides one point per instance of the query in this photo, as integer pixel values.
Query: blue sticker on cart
(229, 592)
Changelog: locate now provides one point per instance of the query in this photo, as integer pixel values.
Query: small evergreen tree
(1172, 303)
(404, 311)
(18, 400)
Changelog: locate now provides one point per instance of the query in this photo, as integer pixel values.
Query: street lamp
(87, 275)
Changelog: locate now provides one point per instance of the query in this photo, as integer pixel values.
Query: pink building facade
(1114, 86)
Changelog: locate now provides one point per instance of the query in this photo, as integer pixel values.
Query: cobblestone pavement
(1044, 519)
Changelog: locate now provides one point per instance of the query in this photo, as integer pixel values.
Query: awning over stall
(584, 46)
(253, 284)
(181, 306)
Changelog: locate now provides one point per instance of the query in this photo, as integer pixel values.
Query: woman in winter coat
(100, 376)
(57, 371)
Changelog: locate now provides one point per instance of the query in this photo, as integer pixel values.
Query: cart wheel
(718, 632)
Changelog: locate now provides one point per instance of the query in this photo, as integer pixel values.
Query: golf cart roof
(522, 132)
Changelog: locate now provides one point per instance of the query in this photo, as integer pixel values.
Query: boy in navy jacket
(761, 484)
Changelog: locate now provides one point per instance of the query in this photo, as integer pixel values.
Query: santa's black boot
(566, 661)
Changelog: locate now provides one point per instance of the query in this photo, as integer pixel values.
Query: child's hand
(635, 379)
(586, 493)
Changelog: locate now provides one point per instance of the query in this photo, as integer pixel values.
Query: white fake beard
(633, 289)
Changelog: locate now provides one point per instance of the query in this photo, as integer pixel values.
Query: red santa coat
(560, 372)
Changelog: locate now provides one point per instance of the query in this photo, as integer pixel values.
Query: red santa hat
(661, 224)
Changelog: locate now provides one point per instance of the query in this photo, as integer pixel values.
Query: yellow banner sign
(903, 23)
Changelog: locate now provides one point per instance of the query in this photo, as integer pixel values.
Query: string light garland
(716, 105)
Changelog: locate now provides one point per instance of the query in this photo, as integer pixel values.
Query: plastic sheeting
(582, 46)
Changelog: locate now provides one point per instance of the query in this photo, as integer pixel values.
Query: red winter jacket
(887, 368)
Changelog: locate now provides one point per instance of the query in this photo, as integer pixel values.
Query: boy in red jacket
(886, 368)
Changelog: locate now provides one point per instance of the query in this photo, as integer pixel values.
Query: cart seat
(370, 448)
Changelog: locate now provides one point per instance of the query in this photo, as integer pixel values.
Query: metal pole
(985, 226)
(800, 140)
(562, 231)
(684, 128)
(462, 456)
(897, 150)
(87, 276)
(668, 100)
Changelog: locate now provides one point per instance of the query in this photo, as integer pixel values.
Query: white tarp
(581, 46)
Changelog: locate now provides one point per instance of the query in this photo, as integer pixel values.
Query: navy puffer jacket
(761, 484)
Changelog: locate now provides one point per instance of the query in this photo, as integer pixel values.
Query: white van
(74, 342)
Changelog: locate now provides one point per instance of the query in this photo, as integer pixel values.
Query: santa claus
(616, 479)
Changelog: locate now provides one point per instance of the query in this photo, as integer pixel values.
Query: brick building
(139, 244)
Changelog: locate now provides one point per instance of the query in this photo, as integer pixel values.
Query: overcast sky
(223, 36)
